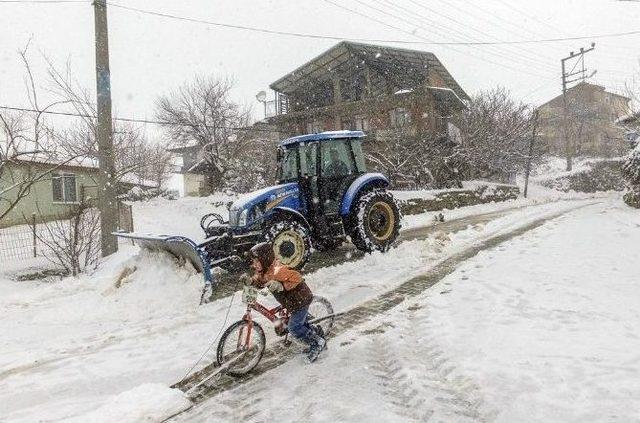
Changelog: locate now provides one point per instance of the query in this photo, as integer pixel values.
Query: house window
(400, 117)
(361, 123)
(314, 127)
(64, 188)
(346, 124)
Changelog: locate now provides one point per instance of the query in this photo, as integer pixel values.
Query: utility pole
(532, 141)
(568, 146)
(104, 133)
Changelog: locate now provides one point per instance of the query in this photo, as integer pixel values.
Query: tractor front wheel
(377, 221)
(291, 242)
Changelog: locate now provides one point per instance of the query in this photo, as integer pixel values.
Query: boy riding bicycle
(290, 290)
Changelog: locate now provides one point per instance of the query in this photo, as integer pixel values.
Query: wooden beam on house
(337, 100)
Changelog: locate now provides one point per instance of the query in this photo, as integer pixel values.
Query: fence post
(35, 237)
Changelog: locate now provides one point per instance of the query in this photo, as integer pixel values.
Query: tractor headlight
(242, 220)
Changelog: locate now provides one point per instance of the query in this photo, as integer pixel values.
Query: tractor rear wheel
(291, 242)
(376, 221)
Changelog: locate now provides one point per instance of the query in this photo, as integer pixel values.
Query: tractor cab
(324, 165)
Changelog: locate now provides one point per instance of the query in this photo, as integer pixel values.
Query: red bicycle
(243, 343)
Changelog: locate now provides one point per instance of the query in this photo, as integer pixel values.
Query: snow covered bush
(73, 245)
(455, 198)
(604, 175)
(139, 194)
(631, 173)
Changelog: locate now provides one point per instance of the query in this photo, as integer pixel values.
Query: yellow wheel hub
(381, 220)
(289, 248)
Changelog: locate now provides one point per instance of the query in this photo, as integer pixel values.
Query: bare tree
(28, 153)
(202, 113)
(134, 153)
(495, 134)
(73, 244)
(414, 159)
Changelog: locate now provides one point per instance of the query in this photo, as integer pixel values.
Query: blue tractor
(324, 197)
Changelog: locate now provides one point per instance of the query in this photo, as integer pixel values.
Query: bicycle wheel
(320, 308)
(241, 347)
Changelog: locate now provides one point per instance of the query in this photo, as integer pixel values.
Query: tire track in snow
(425, 386)
(398, 387)
(277, 354)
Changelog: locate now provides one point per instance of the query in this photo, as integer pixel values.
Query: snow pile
(179, 217)
(151, 402)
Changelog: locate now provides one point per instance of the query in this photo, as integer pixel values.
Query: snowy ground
(542, 328)
(102, 347)
(70, 347)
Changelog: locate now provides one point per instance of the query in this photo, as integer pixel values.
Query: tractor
(324, 197)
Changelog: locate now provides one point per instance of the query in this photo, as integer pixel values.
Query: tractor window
(289, 165)
(336, 158)
(356, 147)
(308, 159)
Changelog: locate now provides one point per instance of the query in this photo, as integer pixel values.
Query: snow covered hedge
(453, 199)
(631, 173)
(602, 175)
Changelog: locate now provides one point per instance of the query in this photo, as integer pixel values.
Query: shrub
(631, 174)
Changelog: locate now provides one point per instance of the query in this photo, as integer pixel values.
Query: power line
(371, 40)
(333, 37)
(421, 37)
(44, 1)
(472, 28)
(506, 4)
(496, 51)
(133, 120)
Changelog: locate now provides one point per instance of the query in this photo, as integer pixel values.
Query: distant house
(592, 113)
(193, 170)
(376, 89)
(61, 185)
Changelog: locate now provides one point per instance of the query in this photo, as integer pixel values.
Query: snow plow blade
(178, 246)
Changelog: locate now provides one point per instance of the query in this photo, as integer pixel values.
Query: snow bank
(178, 217)
(151, 402)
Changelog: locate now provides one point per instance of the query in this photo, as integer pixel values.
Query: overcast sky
(150, 55)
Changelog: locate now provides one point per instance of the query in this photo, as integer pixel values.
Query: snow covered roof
(447, 95)
(133, 179)
(187, 147)
(375, 55)
(583, 85)
(49, 158)
(89, 163)
(628, 118)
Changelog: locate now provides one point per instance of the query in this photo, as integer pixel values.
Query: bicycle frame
(271, 314)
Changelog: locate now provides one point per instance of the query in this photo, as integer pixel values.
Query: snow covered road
(74, 345)
(499, 339)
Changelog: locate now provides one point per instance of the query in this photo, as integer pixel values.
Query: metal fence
(23, 242)
(20, 242)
